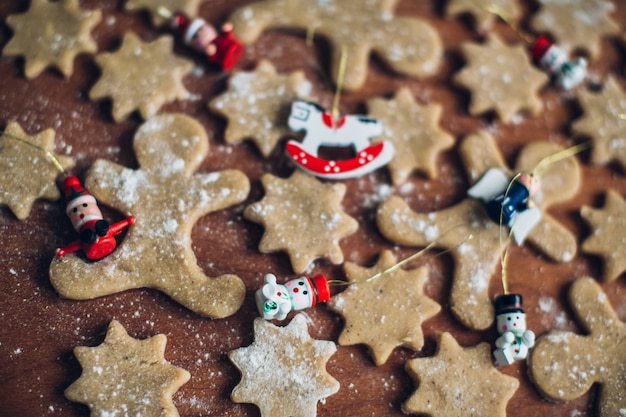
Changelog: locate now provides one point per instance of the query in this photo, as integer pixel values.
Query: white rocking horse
(323, 130)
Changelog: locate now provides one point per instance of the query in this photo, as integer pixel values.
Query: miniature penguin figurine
(553, 59)
(96, 235)
(515, 340)
(274, 300)
(507, 203)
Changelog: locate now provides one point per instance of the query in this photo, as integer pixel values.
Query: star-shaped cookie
(283, 371)
(476, 259)
(564, 365)
(604, 121)
(576, 23)
(485, 12)
(303, 217)
(386, 312)
(186, 7)
(458, 381)
(608, 227)
(127, 377)
(408, 45)
(257, 104)
(414, 148)
(500, 77)
(141, 76)
(167, 197)
(26, 172)
(52, 34)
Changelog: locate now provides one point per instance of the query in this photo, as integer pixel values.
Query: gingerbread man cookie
(476, 259)
(167, 199)
(564, 365)
(408, 45)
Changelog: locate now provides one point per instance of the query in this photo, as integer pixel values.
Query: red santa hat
(321, 290)
(540, 47)
(75, 194)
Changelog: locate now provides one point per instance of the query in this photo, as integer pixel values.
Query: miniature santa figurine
(515, 340)
(96, 235)
(550, 57)
(274, 300)
(221, 48)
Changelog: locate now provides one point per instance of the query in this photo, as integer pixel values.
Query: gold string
(49, 154)
(564, 154)
(340, 78)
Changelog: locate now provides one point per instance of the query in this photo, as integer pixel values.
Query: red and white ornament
(275, 301)
(553, 59)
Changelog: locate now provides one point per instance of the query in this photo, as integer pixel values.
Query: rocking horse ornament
(324, 130)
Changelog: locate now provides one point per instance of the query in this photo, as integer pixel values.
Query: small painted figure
(509, 203)
(274, 300)
(568, 74)
(515, 340)
(222, 48)
(96, 235)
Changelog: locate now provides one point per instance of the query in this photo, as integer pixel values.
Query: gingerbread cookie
(283, 372)
(408, 45)
(187, 7)
(414, 148)
(19, 192)
(485, 12)
(127, 377)
(167, 199)
(458, 381)
(604, 121)
(52, 34)
(564, 365)
(141, 76)
(500, 77)
(576, 23)
(303, 217)
(476, 259)
(256, 105)
(373, 313)
(607, 236)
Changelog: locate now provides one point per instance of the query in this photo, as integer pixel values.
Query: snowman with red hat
(515, 340)
(274, 300)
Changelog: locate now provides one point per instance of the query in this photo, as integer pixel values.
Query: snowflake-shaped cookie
(167, 197)
(485, 12)
(141, 76)
(127, 377)
(476, 258)
(52, 34)
(386, 312)
(459, 381)
(257, 105)
(414, 148)
(408, 45)
(564, 365)
(607, 237)
(500, 77)
(186, 7)
(283, 371)
(604, 121)
(576, 23)
(26, 173)
(303, 217)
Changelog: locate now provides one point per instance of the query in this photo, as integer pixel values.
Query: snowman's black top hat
(508, 303)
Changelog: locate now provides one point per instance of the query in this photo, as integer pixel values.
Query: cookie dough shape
(303, 217)
(142, 76)
(186, 7)
(386, 312)
(500, 77)
(26, 173)
(458, 381)
(257, 104)
(564, 365)
(283, 371)
(476, 259)
(167, 199)
(604, 121)
(576, 23)
(127, 377)
(607, 237)
(52, 34)
(485, 12)
(414, 148)
(408, 45)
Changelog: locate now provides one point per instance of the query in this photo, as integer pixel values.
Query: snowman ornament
(275, 301)
(515, 340)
